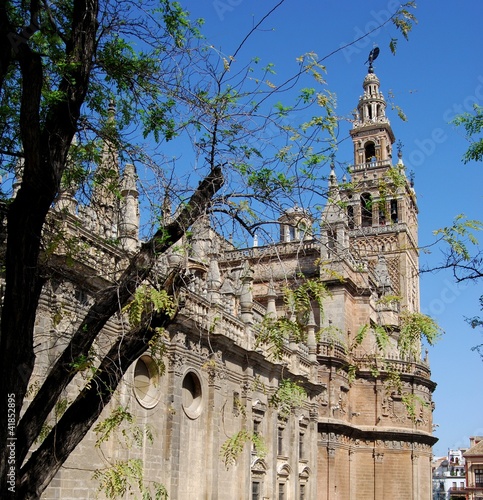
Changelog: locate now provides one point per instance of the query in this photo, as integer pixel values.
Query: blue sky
(434, 76)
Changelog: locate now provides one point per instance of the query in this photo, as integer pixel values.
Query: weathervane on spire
(372, 57)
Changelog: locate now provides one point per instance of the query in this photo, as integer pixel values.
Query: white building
(449, 479)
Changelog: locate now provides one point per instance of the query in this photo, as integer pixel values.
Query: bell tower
(380, 200)
(372, 134)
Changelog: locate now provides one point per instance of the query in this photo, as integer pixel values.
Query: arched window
(382, 213)
(350, 216)
(369, 112)
(370, 151)
(366, 210)
(332, 241)
(394, 211)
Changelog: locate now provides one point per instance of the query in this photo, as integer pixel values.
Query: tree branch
(109, 302)
(85, 410)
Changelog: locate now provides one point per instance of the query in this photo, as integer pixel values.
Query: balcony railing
(372, 164)
(455, 489)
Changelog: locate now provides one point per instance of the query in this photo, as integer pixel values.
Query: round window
(146, 382)
(192, 395)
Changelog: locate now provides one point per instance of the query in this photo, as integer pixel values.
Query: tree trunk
(45, 153)
(81, 415)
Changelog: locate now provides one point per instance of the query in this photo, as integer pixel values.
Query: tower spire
(372, 134)
(105, 195)
(129, 213)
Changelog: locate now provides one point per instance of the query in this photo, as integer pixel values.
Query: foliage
(116, 481)
(148, 299)
(416, 326)
(389, 300)
(395, 107)
(460, 234)
(122, 476)
(288, 396)
(413, 328)
(394, 386)
(299, 298)
(466, 265)
(275, 332)
(382, 337)
(130, 430)
(477, 322)
(232, 448)
(157, 348)
(463, 256)
(411, 402)
(403, 20)
(473, 125)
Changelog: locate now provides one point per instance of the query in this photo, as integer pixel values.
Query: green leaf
(288, 396)
(232, 448)
(414, 327)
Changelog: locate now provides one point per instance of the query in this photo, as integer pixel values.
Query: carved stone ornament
(322, 398)
(397, 409)
(259, 467)
(176, 362)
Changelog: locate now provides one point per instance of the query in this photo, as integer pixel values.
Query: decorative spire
(311, 340)
(201, 239)
(129, 210)
(399, 152)
(271, 296)
(372, 105)
(111, 111)
(246, 296)
(227, 293)
(214, 280)
(333, 212)
(105, 200)
(332, 176)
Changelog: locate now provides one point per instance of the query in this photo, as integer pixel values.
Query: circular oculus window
(146, 382)
(192, 395)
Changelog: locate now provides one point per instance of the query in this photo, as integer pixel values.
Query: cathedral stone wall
(353, 437)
